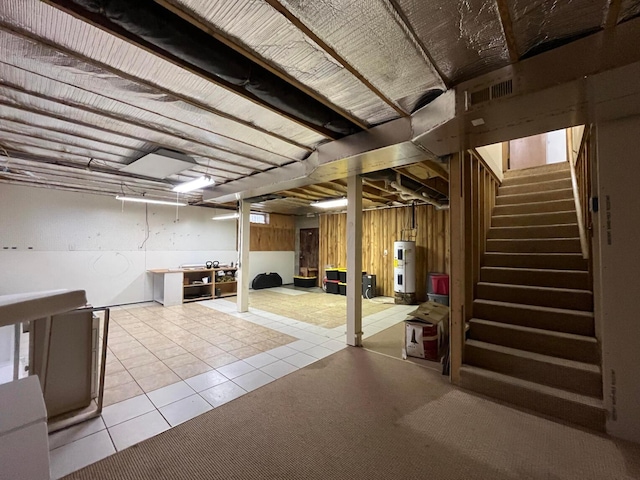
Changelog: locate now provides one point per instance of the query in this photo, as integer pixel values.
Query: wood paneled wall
(278, 236)
(472, 196)
(380, 229)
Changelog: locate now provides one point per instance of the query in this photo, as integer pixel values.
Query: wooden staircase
(532, 339)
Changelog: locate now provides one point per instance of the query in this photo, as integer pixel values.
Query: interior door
(309, 246)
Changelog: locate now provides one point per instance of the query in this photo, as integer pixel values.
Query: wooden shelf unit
(183, 285)
(195, 289)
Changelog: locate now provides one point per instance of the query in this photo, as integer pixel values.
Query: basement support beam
(354, 261)
(244, 241)
(457, 263)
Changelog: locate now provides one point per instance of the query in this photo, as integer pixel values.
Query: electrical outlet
(385, 252)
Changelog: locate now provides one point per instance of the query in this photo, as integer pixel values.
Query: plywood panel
(380, 229)
(278, 236)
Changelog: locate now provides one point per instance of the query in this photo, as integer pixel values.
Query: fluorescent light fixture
(160, 164)
(150, 200)
(194, 184)
(337, 202)
(228, 216)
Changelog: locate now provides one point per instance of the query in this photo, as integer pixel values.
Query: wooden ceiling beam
(334, 54)
(507, 28)
(613, 13)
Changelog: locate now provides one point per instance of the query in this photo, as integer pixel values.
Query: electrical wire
(146, 219)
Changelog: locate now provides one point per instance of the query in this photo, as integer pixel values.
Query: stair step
(535, 231)
(535, 316)
(577, 377)
(562, 261)
(535, 245)
(557, 344)
(543, 277)
(528, 219)
(569, 299)
(536, 187)
(536, 207)
(525, 172)
(578, 409)
(536, 177)
(534, 197)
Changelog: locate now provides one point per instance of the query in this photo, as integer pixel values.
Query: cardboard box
(423, 340)
(431, 312)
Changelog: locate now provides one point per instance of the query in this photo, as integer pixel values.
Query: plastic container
(332, 286)
(440, 284)
(342, 288)
(342, 275)
(306, 282)
(443, 299)
(332, 274)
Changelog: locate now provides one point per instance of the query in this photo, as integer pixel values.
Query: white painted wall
(54, 239)
(492, 155)
(557, 146)
(618, 233)
(281, 263)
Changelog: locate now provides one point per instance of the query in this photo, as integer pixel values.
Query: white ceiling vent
(479, 96)
(160, 164)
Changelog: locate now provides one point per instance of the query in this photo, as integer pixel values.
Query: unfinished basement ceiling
(246, 87)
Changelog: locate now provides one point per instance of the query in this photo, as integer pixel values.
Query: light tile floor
(176, 399)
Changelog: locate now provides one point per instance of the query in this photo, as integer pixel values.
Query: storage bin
(440, 284)
(332, 274)
(342, 275)
(442, 299)
(342, 288)
(332, 286)
(306, 282)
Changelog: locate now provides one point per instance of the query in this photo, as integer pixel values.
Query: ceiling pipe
(405, 192)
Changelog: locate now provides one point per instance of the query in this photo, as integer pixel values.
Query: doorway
(309, 246)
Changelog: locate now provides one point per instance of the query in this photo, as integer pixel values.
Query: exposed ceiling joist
(154, 86)
(254, 58)
(613, 13)
(334, 54)
(507, 28)
(100, 22)
(416, 38)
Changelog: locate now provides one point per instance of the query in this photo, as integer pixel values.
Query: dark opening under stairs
(531, 341)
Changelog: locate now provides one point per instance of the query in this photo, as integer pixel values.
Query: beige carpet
(360, 415)
(314, 306)
(390, 342)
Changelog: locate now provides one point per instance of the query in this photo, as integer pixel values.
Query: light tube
(338, 202)
(194, 184)
(150, 200)
(229, 216)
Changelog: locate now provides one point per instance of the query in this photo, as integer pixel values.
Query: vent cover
(492, 92)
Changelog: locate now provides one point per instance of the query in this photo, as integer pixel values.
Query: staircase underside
(531, 341)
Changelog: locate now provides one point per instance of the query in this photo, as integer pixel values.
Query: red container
(440, 284)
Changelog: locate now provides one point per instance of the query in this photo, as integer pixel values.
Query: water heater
(404, 267)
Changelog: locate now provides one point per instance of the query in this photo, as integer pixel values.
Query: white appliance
(404, 267)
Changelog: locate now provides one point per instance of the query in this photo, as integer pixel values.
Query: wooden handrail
(584, 243)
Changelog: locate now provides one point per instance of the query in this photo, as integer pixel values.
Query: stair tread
(539, 357)
(537, 214)
(586, 400)
(537, 270)
(535, 287)
(538, 226)
(580, 313)
(547, 168)
(521, 240)
(534, 253)
(537, 178)
(545, 193)
(532, 330)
